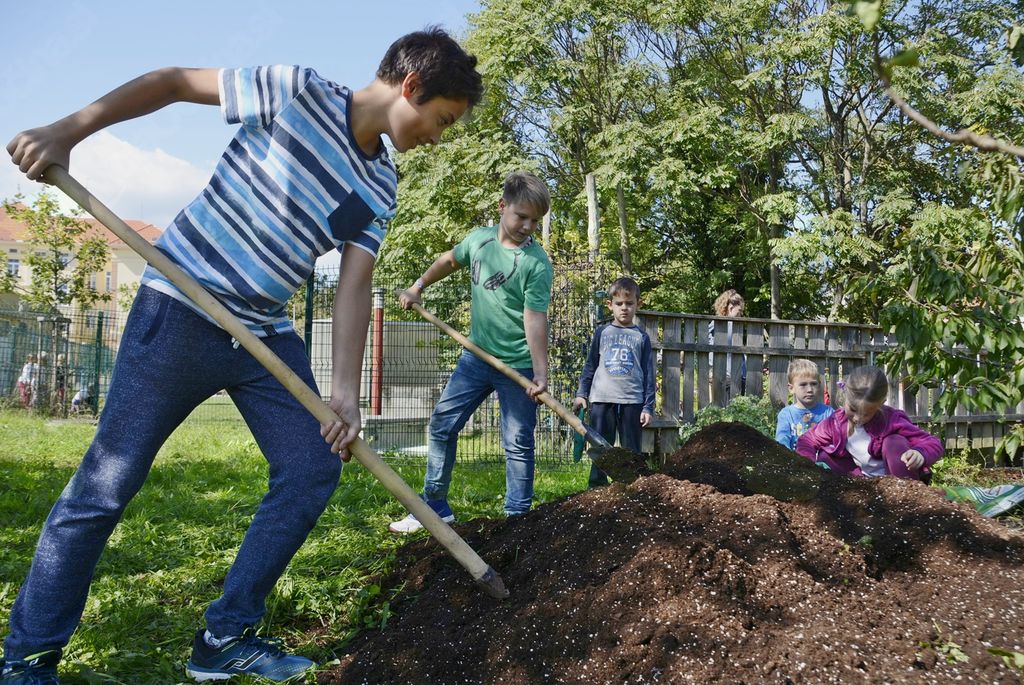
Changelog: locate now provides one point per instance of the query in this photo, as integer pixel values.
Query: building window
(13, 267)
(92, 281)
(110, 281)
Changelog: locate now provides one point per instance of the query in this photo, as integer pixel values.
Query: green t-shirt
(505, 281)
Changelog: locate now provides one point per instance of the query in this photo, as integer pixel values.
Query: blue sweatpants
(609, 420)
(170, 360)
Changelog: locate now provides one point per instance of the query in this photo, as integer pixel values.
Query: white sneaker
(411, 524)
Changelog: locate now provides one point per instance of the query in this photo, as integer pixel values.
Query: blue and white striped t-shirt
(291, 186)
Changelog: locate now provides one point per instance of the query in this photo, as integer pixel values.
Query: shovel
(482, 573)
(619, 463)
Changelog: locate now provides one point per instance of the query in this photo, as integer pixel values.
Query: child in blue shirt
(807, 411)
(618, 378)
(305, 173)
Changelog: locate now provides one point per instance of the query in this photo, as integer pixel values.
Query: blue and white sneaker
(410, 524)
(38, 669)
(248, 653)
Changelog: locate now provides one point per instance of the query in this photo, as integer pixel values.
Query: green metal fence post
(95, 399)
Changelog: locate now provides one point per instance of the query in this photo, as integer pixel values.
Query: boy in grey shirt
(618, 378)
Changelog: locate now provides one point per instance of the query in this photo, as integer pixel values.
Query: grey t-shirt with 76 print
(619, 367)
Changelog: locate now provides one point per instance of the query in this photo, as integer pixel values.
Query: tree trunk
(776, 288)
(627, 261)
(838, 294)
(593, 222)
(776, 230)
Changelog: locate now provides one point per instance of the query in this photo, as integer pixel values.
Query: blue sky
(58, 56)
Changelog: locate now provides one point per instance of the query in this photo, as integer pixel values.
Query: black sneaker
(248, 653)
(38, 669)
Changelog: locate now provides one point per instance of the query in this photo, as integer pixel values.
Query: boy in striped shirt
(307, 172)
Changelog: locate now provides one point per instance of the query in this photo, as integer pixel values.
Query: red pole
(377, 359)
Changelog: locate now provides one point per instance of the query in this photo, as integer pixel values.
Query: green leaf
(1015, 42)
(907, 58)
(869, 12)
(1012, 659)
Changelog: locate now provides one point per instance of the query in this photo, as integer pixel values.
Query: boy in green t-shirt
(511, 288)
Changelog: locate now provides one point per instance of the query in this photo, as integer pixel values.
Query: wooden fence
(699, 362)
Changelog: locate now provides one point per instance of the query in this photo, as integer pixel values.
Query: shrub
(759, 413)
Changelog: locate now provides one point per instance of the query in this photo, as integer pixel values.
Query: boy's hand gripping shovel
(482, 573)
(619, 463)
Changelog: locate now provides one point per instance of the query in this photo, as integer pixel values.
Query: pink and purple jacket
(828, 438)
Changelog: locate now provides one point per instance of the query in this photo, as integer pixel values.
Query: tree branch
(983, 142)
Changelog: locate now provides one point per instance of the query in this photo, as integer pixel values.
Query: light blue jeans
(170, 360)
(471, 382)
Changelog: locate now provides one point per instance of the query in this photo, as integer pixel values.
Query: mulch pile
(738, 563)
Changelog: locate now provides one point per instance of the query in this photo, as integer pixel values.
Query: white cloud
(149, 185)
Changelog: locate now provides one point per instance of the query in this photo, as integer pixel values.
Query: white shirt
(857, 445)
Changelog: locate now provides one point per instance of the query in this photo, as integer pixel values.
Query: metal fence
(407, 362)
(62, 364)
(57, 363)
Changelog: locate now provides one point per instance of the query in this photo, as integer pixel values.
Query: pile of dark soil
(740, 563)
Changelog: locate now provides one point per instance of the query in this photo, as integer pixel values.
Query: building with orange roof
(123, 269)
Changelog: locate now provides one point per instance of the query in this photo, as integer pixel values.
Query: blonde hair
(523, 187)
(728, 297)
(802, 367)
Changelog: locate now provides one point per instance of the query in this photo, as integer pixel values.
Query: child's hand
(340, 434)
(912, 459)
(38, 148)
(540, 384)
(407, 297)
(578, 402)
(645, 418)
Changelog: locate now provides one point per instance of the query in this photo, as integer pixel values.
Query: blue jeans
(471, 382)
(171, 360)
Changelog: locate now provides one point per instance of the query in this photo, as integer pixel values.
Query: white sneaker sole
(411, 525)
(202, 677)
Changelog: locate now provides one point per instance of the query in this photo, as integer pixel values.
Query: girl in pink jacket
(866, 438)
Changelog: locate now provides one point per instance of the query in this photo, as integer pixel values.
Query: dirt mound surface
(740, 563)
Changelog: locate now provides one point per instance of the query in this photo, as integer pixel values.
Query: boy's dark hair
(624, 285)
(523, 187)
(444, 68)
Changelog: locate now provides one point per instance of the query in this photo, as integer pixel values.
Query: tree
(63, 251)
(957, 297)
(568, 73)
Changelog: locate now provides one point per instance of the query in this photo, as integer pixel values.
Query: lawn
(165, 561)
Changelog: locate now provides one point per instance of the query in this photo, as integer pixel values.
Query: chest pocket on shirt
(350, 218)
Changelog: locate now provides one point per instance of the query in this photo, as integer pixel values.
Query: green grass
(166, 560)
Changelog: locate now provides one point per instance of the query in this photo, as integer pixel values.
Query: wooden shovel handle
(455, 545)
(563, 413)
